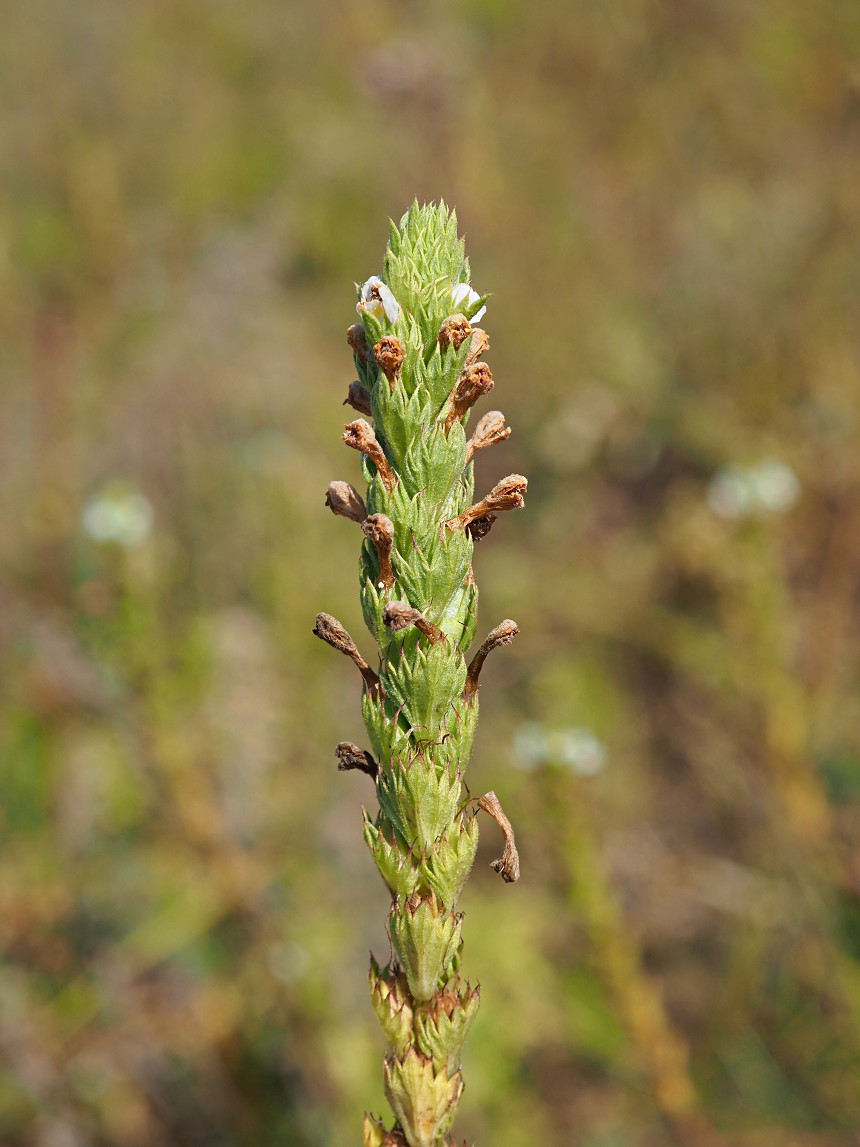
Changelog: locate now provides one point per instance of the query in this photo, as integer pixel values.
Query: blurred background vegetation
(662, 196)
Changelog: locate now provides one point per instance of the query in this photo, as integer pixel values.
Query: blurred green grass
(662, 199)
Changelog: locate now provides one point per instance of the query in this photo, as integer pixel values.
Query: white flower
(770, 486)
(576, 748)
(117, 514)
(580, 751)
(730, 495)
(463, 293)
(531, 746)
(378, 300)
(776, 485)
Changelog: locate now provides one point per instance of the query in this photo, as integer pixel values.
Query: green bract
(417, 357)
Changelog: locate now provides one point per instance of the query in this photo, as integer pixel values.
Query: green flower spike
(418, 356)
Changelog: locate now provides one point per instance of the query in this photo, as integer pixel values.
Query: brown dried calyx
(478, 346)
(345, 501)
(503, 634)
(352, 756)
(454, 332)
(506, 495)
(379, 529)
(473, 383)
(400, 615)
(479, 527)
(359, 435)
(490, 430)
(508, 864)
(356, 336)
(330, 630)
(358, 397)
(389, 353)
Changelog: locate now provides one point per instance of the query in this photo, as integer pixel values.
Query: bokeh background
(662, 196)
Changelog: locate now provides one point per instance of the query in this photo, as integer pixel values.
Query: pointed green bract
(415, 352)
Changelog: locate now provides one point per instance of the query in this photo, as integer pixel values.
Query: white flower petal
(463, 293)
(377, 300)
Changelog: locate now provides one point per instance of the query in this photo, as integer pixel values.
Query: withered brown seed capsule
(359, 435)
(506, 495)
(479, 527)
(508, 864)
(474, 382)
(330, 630)
(490, 430)
(356, 336)
(358, 397)
(380, 530)
(345, 501)
(352, 756)
(400, 615)
(503, 634)
(389, 354)
(478, 346)
(454, 332)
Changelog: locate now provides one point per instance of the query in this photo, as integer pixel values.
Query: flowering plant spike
(418, 353)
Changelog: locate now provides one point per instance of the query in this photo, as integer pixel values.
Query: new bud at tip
(359, 435)
(400, 615)
(345, 501)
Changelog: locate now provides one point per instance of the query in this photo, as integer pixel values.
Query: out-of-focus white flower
(776, 485)
(117, 514)
(770, 486)
(580, 750)
(531, 746)
(377, 300)
(729, 494)
(463, 293)
(287, 962)
(576, 748)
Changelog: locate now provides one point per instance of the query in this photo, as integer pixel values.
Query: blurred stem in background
(613, 951)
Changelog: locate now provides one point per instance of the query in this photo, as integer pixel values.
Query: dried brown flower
(400, 615)
(506, 495)
(490, 430)
(356, 336)
(345, 501)
(389, 354)
(358, 397)
(479, 345)
(475, 381)
(454, 332)
(503, 634)
(508, 864)
(330, 630)
(359, 435)
(380, 530)
(351, 756)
